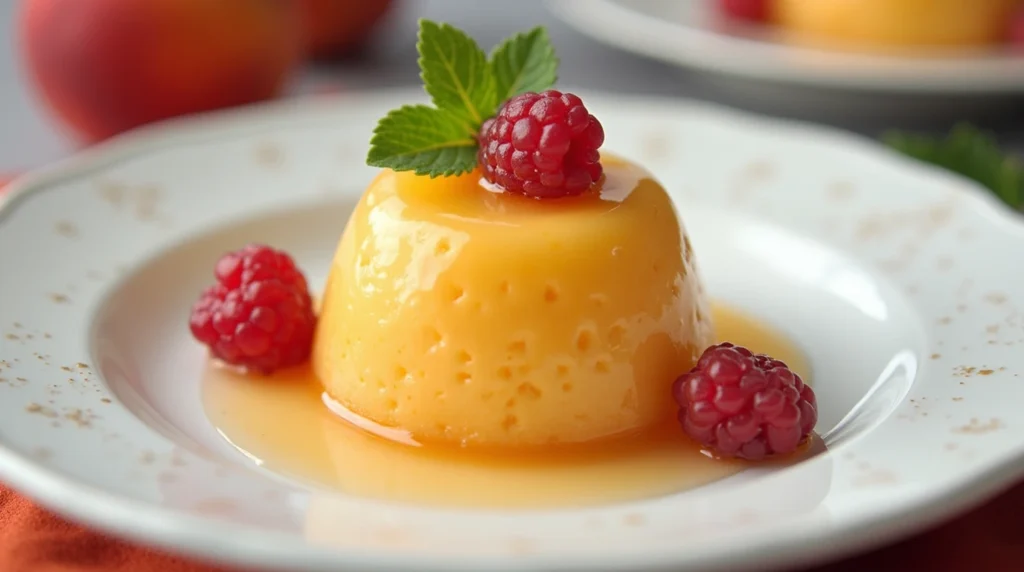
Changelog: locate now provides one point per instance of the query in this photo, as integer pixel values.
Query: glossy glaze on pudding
(463, 315)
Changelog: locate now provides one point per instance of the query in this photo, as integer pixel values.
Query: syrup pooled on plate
(282, 423)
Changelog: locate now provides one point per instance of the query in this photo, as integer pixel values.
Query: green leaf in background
(422, 139)
(524, 62)
(971, 153)
(455, 74)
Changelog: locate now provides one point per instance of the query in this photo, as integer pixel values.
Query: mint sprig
(525, 62)
(466, 88)
(423, 139)
(454, 73)
(971, 153)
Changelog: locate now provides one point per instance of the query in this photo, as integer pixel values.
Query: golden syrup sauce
(282, 424)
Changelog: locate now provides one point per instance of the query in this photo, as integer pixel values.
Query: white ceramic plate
(896, 280)
(689, 33)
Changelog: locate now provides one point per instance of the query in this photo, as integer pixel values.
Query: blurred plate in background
(691, 34)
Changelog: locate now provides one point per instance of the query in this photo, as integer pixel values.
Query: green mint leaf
(971, 153)
(524, 62)
(423, 139)
(455, 74)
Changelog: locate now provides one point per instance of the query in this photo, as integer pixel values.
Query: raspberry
(543, 145)
(758, 11)
(738, 404)
(259, 314)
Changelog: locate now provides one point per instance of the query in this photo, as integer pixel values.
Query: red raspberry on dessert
(259, 314)
(543, 145)
(737, 404)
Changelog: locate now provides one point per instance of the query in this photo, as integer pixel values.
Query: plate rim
(151, 524)
(681, 45)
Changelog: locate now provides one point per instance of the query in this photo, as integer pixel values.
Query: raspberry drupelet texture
(737, 404)
(259, 314)
(543, 145)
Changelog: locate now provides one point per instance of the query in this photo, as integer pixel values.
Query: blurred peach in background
(105, 66)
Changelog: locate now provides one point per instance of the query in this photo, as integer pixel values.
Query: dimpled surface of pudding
(462, 315)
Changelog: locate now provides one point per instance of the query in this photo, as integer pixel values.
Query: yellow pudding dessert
(459, 314)
(896, 23)
(512, 317)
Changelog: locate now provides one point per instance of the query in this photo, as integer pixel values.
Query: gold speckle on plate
(976, 427)
(634, 519)
(142, 200)
(936, 356)
(841, 191)
(268, 155)
(41, 410)
(876, 478)
(945, 320)
(81, 417)
(995, 298)
(749, 177)
(964, 371)
(60, 298)
(111, 192)
(65, 228)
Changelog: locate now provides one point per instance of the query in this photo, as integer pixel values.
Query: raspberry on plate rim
(259, 314)
(738, 404)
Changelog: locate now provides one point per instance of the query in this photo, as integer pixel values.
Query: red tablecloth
(989, 539)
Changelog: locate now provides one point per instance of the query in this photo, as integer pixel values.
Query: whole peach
(336, 28)
(105, 66)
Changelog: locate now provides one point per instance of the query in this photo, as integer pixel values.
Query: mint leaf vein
(524, 62)
(455, 74)
(422, 139)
